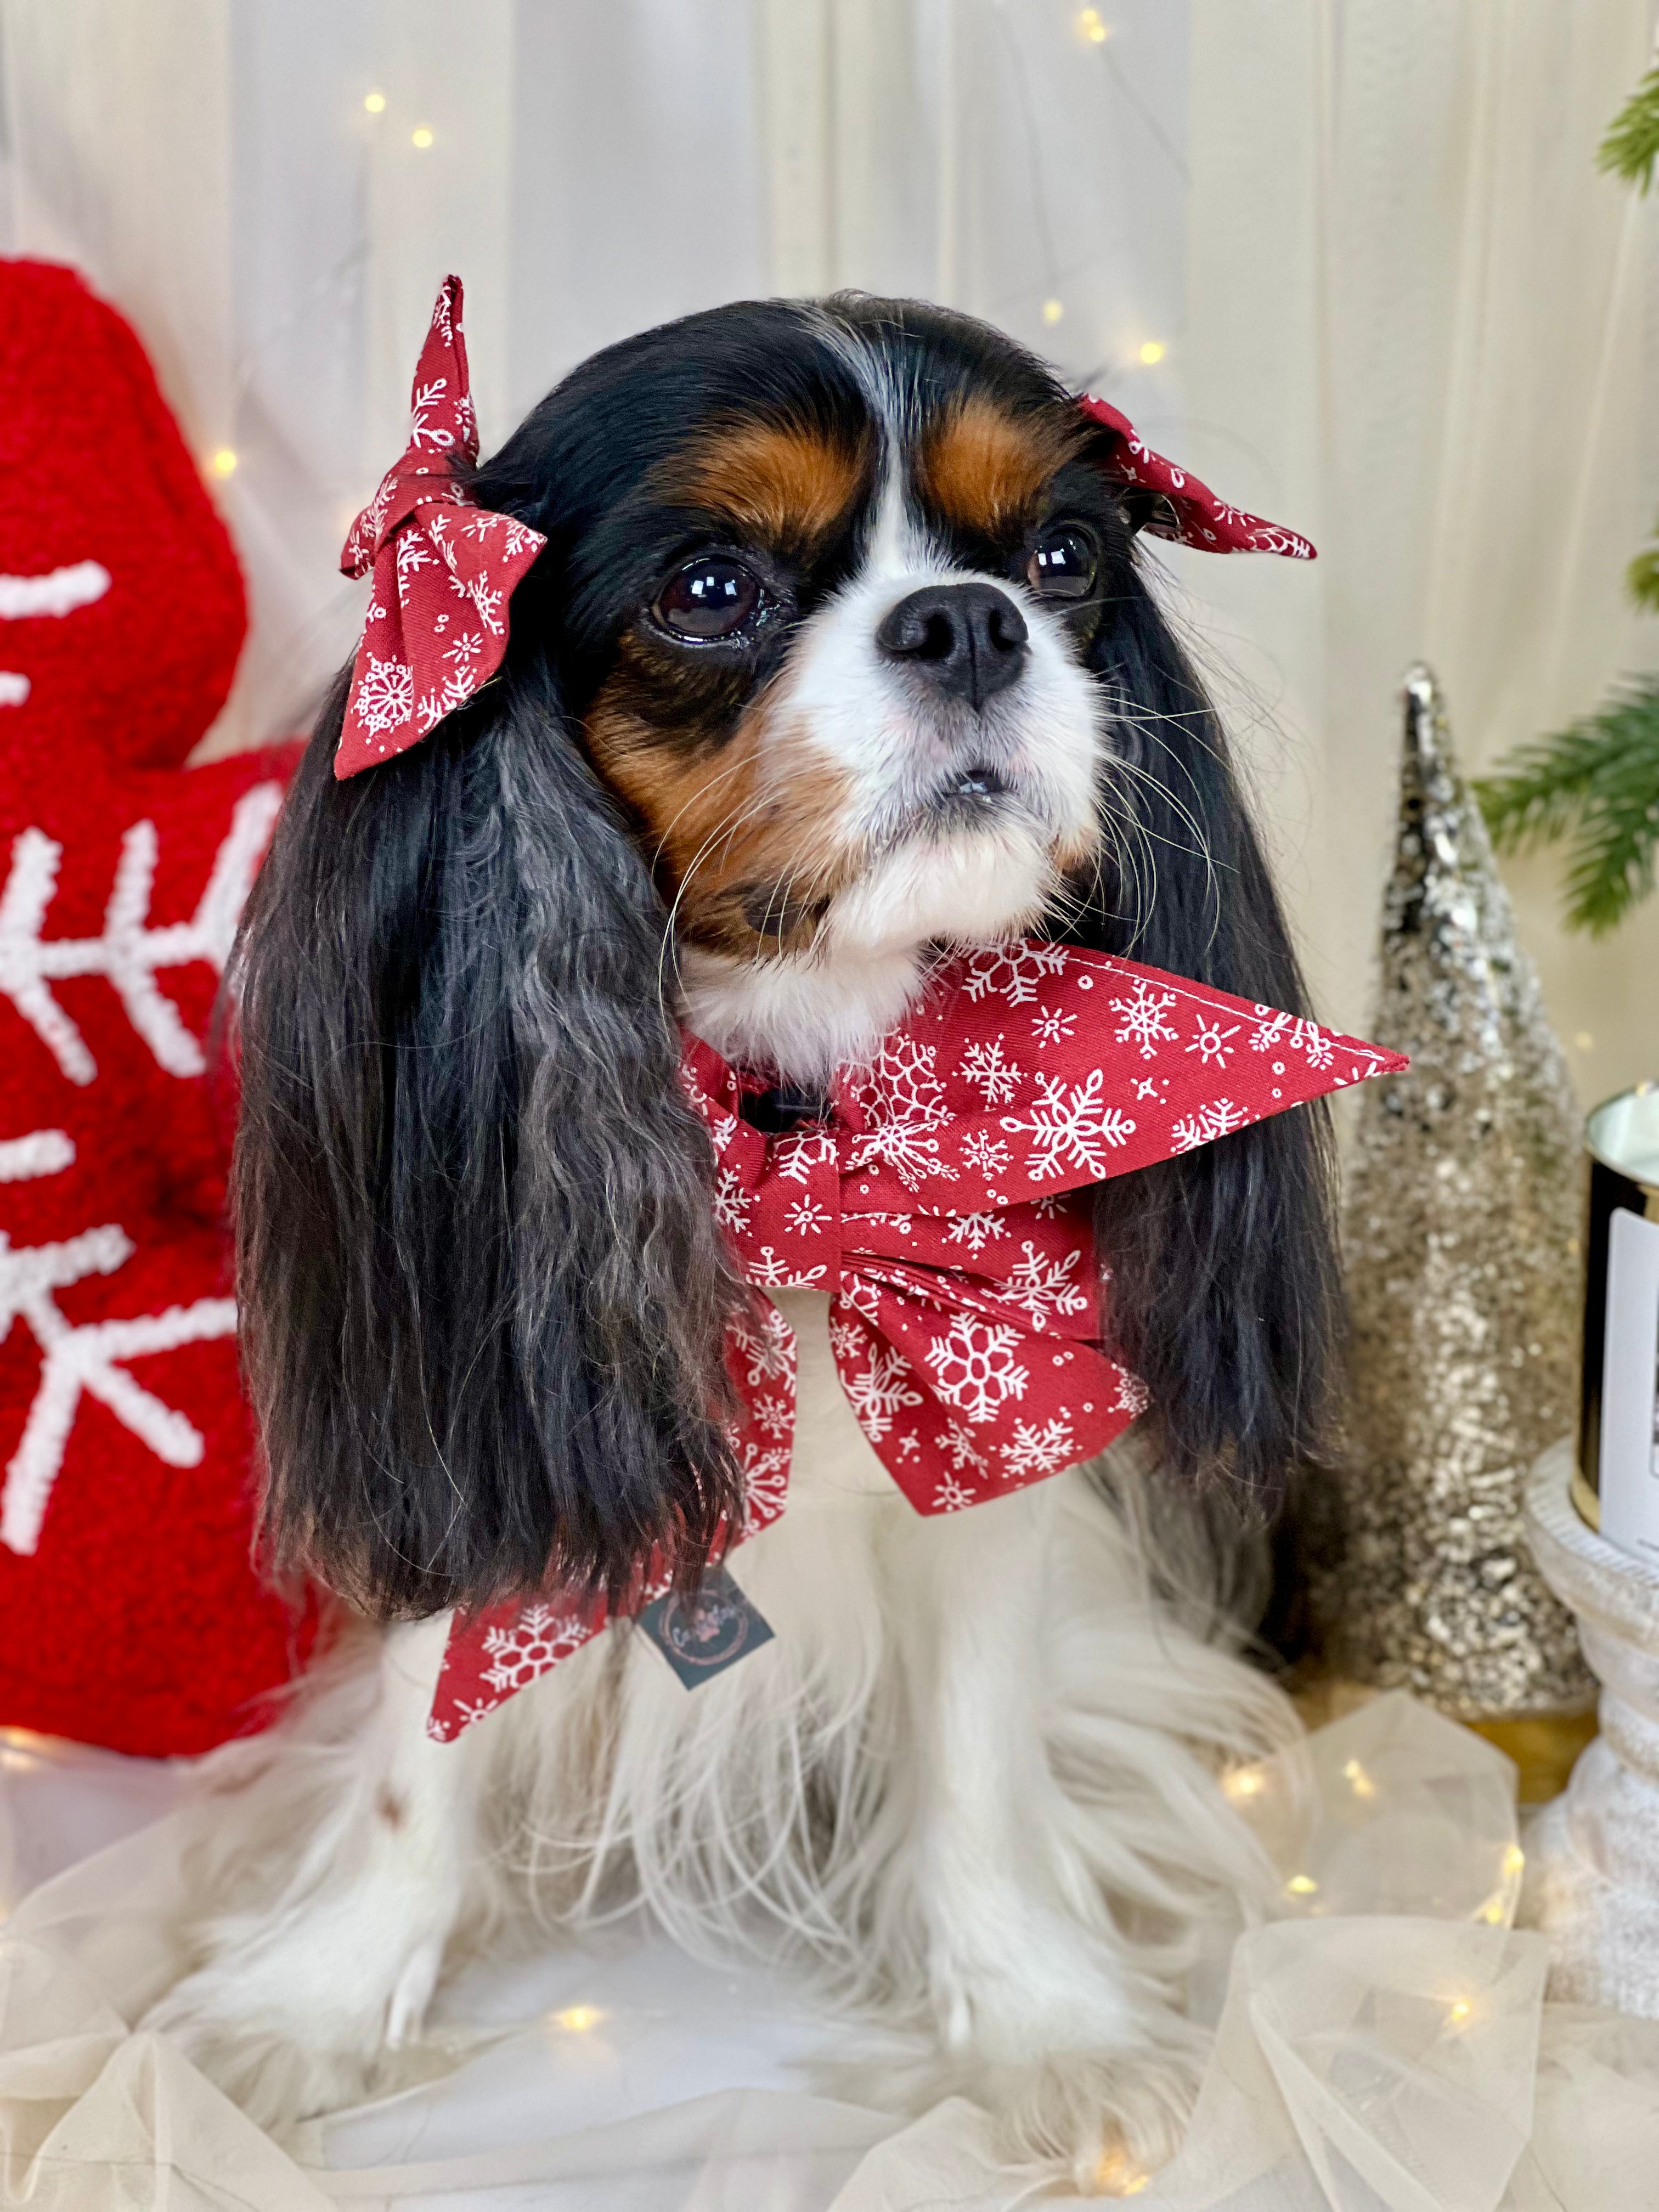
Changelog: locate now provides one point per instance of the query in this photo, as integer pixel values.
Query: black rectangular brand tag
(702, 1634)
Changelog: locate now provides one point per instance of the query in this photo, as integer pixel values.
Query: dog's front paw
(1105, 2119)
(284, 2027)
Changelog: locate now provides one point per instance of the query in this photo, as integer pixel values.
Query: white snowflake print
(773, 1273)
(130, 951)
(733, 1204)
(1144, 1024)
(1037, 1451)
(1045, 1287)
(905, 1105)
(1013, 972)
(950, 1496)
(964, 1451)
(805, 1219)
(385, 696)
(1133, 1395)
(1206, 1124)
(988, 1155)
(1071, 1127)
(989, 1068)
(88, 1359)
(366, 530)
(764, 1344)
(1280, 1032)
(909, 1444)
(488, 601)
(880, 1392)
(413, 555)
(773, 1414)
(796, 1155)
(537, 1639)
(862, 1295)
(1211, 1043)
(765, 1485)
(1052, 1027)
(519, 538)
(973, 1367)
(846, 1340)
(902, 1222)
(467, 1713)
(434, 705)
(427, 399)
(462, 651)
(1051, 1203)
(976, 1231)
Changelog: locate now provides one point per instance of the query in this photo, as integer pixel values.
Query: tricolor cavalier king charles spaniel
(842, 650)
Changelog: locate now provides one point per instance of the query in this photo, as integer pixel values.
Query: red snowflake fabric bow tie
(444, 567)
(944, 1206)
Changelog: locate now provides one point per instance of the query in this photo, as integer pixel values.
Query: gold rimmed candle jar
(1616, 1481)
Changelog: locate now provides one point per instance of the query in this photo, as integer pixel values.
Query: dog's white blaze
(844, 699)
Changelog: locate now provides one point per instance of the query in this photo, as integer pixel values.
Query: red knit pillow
(129, 1612)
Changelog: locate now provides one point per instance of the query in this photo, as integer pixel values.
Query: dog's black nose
(968, 639)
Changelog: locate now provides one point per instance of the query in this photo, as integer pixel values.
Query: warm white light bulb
(1091, 28)
(423, 137)
(224, 463)
(374, 102)
(577, 2019)
(1053, 310)
(1151, 353)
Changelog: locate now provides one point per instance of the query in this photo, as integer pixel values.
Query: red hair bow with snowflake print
(1184, 509)
(944, 1205)
(444, 567)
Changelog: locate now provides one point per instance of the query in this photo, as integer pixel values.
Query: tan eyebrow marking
(983, 469)
(782, 483)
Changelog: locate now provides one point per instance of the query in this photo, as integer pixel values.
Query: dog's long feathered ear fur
(1225, 1295)
(483, 1298)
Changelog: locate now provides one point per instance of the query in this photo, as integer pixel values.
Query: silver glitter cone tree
(1462, 1250)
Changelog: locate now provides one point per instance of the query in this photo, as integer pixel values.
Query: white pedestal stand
(1592, 1881)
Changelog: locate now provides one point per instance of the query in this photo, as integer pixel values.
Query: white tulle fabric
(1385, 2043)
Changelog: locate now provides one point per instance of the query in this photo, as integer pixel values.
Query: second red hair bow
(444, 567)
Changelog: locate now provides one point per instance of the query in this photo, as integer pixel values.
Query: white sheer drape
(1424, 326)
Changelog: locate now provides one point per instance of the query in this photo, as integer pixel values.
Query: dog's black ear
(1225, 1288)
(483, 1299)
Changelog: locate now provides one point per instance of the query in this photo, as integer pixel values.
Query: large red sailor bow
(944, 1207)
(445, 568)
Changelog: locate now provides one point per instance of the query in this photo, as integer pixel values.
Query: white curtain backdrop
(1351, 259)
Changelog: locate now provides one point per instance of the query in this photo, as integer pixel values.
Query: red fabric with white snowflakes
(444, 567)
(129, 1612)
(1195, 517)
(944, 1205)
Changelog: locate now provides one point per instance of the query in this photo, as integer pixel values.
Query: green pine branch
(1595, 785)
(1632, 144)
(1643, 578)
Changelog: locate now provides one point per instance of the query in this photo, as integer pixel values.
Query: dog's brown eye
(1065, 564)
(711, 597)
